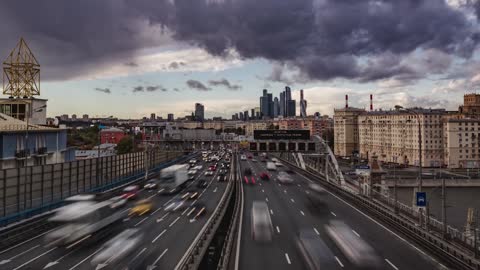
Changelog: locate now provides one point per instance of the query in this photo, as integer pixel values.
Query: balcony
(41, 151)
(21, 154)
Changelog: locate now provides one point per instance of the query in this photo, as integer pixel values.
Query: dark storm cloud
(324, 39)
(226, 83)
(104, 90)
(196, 85)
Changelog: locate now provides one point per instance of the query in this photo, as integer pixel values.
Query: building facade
(346, 136)
(199, 112)
(461, 143)
(111, 135)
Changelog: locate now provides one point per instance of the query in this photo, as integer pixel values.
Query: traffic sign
(421, 199)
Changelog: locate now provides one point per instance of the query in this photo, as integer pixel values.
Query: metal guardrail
(434, 244)
(233, 229)
(196, 251)
(38, 224)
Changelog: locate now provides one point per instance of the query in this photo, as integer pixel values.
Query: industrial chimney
(346, 101)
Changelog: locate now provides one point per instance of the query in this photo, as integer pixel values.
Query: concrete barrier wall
(28, 188)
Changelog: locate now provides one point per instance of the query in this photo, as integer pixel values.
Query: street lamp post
(398, 107)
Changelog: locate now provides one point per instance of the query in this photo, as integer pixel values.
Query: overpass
(221, 238)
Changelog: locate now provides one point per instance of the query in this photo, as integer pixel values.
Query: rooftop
(8, 123)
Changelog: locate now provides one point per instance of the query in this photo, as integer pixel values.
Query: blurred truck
(173, 178)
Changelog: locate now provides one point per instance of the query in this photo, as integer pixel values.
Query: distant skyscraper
(241, 116)
(282, 104)
(170, 117)
(245, 115)
(276, 107)
(252, 114)
(291, 108)
(152, 116)
(266, 104)
(199, 112)
(303, 105)
(74, 117)
(85, 117)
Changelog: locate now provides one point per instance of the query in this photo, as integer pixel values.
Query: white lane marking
(168, 201)
(391, 264)
(333, 214)
(356, 233)
(288, 258)
(158, 236)
(215, 190)
(301, 212)
(151, 196)
(266, 199)
(173, 222)
(284, 191)
(260, 183)
(136, 256)
(306, 191)
(155, 211)
(338, 261)
(263, 190)
(193, 202)
(161, 190)
(159, 257)
(183, 213)
(140, 222)
(178, 206)
(79, 241)
(278, 229)
(162, 218)
(293, 201)
(20, 254)
(298, 185)
(316, 231)
(46, 252)
(19, 244)
(189, 213)
(271, 212)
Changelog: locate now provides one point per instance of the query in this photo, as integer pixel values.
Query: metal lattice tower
(21, 72)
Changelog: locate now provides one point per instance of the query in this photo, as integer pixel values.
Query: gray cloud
(176, 65)
(176, 89)
(104, 90)
(324, 39)
(196, 85)
(131, 64)
(149, 88)
(226, 83)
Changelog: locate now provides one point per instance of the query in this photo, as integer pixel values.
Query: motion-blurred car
(190, 195)
(141, 207)
(151, 184)
(314, 252)
(262, 229)
(130, 192)
(191, 177)
(212, 167)
(243, 157)
(357, 251)
(284, 178)
(209, 173)
(247, 171)
(222, 178)
(202, 183)
(250, 156)
(118, 248)
(264, 176)
(192, 172)
(254, 160)
(177, 204)
(278, 164)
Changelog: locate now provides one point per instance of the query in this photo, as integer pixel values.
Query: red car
(264, 176)
(130, 192)
(250, 157)
(212, 168)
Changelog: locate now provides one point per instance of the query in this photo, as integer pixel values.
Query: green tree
(125, 145)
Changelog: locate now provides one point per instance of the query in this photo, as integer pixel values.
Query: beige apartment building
(250, 126)
(461, 143)
(393, 136)
(448, 138)
(345, 125)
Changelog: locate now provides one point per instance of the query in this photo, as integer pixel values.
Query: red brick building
(111, 135)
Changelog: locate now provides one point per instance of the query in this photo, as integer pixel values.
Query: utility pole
(444, 210)
(395, 195)
(146, 160)
(326, 167)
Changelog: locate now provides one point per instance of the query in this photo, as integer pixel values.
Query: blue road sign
(421, 199)
(363, 167)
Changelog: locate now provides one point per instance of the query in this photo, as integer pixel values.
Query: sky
(130, 58)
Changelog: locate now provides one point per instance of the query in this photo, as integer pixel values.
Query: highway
(290, 212)
(167, 235)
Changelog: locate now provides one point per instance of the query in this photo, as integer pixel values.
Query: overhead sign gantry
(282, 141)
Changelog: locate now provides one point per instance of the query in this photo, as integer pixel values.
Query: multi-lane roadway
(291, 212)
(166, 235)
